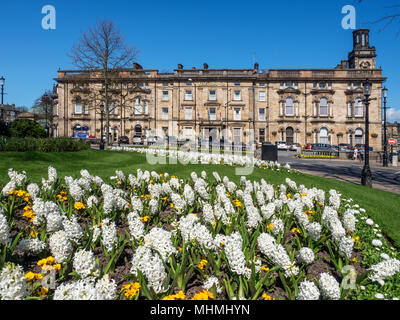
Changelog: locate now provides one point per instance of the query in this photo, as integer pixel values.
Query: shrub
(4, 129)
(23, 128)
(42, 145)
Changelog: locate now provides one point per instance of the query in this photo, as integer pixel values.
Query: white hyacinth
(306, 256)
(84, 264)
(104, 289)
(330, 288)
(277, 253)
(308, 291)
(13, 284)
(211, 282)
(160, 240)
(34, 246)
(4, 232)
(109, 235)
(151, 266)
(136, 226)
(384, 269)
(60, 246)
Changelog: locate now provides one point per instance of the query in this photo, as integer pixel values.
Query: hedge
(42, 145)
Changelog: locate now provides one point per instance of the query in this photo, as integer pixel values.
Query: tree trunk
(107, 134)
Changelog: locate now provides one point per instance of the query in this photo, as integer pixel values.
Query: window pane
(323, 107)
(78, 108)
(262, 114)
(289, 107)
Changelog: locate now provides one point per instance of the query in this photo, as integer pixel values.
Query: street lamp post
(385, 155)
(46, 102)
(366, 176)
(101, 130)
(2, 82)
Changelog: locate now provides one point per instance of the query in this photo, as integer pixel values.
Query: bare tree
(102, 48)
(388, 19)
(43, 106)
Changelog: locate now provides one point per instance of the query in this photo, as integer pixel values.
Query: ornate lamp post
(101, 123)
(2, 82)
(46, 102)
(366, 176)
(385, 155)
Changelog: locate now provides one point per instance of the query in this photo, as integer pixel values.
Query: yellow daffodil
(145, 219)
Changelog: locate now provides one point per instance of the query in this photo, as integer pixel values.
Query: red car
(308, 147)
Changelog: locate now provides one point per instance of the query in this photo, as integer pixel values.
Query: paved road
(387, 179)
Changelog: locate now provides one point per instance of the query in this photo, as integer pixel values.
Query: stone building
(293, 105)
(8, 113)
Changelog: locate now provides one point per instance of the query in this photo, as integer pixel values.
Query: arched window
(289, 108)
(323, 107)
(289, 135)
(359, 135)
(323, 136)
(358, 108)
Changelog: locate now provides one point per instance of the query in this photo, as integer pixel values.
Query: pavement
(387, 179)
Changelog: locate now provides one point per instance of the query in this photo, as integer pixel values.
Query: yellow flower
(267, 297)
(145, 219)
(46, 262)
(179, 296)
(42, 291)
(30, 276)
(202, 264)
(288, 196)
(304, 194)
(33, 276)
(57, 267)
(271, 226)
(131, 289)
(79, 206)
(355, 239)
(266, 269)
(172, 205)
(203, 295)
(164, 199)
(295, 230)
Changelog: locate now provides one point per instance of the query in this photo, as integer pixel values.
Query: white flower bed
(171, 233)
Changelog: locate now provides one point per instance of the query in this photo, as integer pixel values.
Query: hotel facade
(293, 105)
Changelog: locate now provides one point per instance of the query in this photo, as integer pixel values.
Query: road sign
(392, 141)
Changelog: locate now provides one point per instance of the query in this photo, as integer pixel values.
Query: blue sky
(225, 34)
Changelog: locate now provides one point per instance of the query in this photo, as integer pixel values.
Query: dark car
(322, 147)
(124, 140)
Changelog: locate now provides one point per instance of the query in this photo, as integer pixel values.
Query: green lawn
(382, 207)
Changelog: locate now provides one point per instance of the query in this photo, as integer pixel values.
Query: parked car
(282, 145)
(308, 147)
(323, 147)
(124, 140)
(138, 140)
(294, 147)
